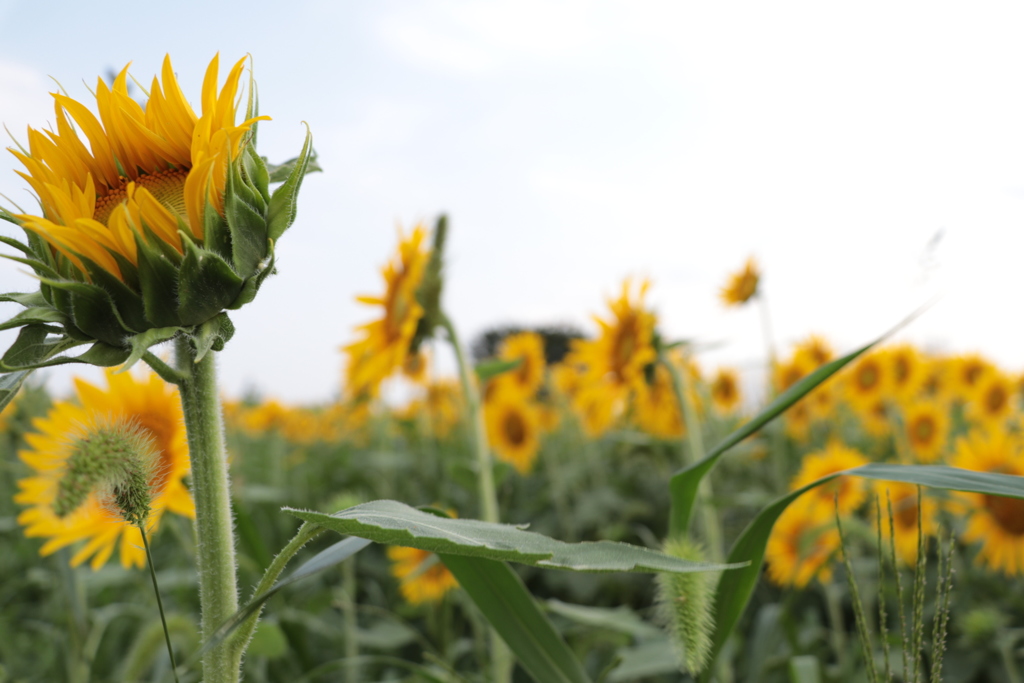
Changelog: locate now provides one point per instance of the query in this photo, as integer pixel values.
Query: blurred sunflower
(742, 285)
(990, 404)
(527, 378)
(850, 491)
(801, 545)
(967, 371)
(385, 342)
(926, 424)
(816, 350)
(725, 390)
(906, 516)
(905, 370)
(149, 404)
(655, 407)
(866, 382)
(996, 522)
(513, 430)
(416, 367)
(937, 379)
(422, 577)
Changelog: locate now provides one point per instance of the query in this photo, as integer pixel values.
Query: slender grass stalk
(349, 623)
(501, 656)
(899, 592)
(215, 539)
(883, 621)
(159, 602)
(940, 623)
(858, 605)
(712, 530)
(918, 599)
(837, 630)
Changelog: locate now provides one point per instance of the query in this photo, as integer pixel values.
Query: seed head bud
(115, 461)
(684, 606)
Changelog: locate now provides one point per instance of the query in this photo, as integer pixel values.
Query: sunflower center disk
(1008, 513)
(168, 187)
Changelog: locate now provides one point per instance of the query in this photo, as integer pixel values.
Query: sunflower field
(568, 506)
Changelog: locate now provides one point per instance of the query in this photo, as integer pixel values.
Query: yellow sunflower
(906, 516)
(422, 577)
(656, 408)
(905, 369)
(996, 522)
(991, 403)
(937, 381)
(801, 545)
(926, 424)
(866, 381)
(742, 285)
(527, 378)
(513, 430)
(385, 342)
(625, 345)
(416, 367)
(967, 371)
(850, 490)
(151, 405)
(725, 390)
(816, 350)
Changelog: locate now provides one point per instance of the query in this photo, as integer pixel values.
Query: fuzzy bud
(115, 461)
(684, 606)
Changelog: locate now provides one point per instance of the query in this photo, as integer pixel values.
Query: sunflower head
(742, 285)
(153, 219)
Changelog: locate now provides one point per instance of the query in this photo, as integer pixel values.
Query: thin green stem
(351, 625)
(711, 528)
(306, 533)
(166, 372)
(159, 603)
(501, 657)
(215, 540)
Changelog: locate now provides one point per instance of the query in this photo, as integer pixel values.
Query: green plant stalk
(711, 528)
(215, 539)
(351, 626)
(306, 533)
(501, 656)
(159, 603)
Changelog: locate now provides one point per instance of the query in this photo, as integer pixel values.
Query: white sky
(576, 143)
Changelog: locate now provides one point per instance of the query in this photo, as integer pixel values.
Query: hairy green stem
(215, 539)
(306, 533)
(712, 531)
(501, 657)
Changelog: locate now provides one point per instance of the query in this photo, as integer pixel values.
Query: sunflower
(991, 403)
(422, 577)
(528, 349)
(906, 516)
(926, 424)
(801, 546)
(846, 492)
(385, 342)
(155, 409)
(656, 408)
(416, 367)
(816, 350)
(967, 371)
(625, 345)
(741, 286)
(937, 379)
(725, 390)
(995, 521)
(513, 430)
(905, 369)
(151, 215)
(866, 382)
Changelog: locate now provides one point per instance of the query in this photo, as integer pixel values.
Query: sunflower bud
(685, 603)
(114, 460)
(150, 230)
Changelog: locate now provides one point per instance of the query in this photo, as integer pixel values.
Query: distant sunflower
(906, 516)
(656, 408)
(937, 380)
(874, 418)
(905, 370)
(816, 349)
(742, 285)
(996, 522)
(866, 381)
(725, 390)
(797, 420)
(422, 577)
(528, 349)
(513, 430)
(926, 424)
(385, 341)
(850, 491)
(991, 403)
(801, 545)
(416, 367)
(150, 404)
(968, 370)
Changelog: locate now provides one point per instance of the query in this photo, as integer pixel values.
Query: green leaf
(490, 369)
(158, 277)
(216, 234)
(93, 311)
(252, 285)
(256, 169)
(684, 484)
(247, 223)
(10, 383)
(129, 305)
(11, 242)
(394, 523)
(735, 587)
(804, 669)
(618, 619)
(26, 299)
(278, 173)
(501, 596)
(283, 202)
(652, 658)
(213, 334)
(206, 285)
(140, 343)
(35, 315)
(34, 345)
